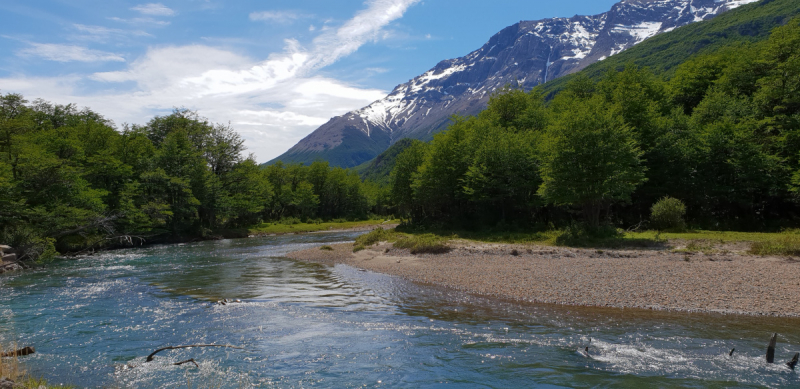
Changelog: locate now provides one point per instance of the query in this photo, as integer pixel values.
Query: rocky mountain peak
(525, 54)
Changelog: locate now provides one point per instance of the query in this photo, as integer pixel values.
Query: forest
(71, 181)
(720, 134)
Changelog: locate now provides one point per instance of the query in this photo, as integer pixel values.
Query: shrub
(785, 245)
(667, 214)
(326, 248)
(290, 221)
(374, 236)
(426, 243)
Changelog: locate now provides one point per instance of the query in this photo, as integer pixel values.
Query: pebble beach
(658, 279)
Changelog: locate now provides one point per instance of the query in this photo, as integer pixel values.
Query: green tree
(590, 158)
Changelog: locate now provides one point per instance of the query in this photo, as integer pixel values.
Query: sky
(274, 69)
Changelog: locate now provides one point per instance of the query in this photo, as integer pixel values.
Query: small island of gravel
(726, 282)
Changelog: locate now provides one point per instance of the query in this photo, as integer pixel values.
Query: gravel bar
(731, 283)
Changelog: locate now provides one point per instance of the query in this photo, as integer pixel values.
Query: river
(94, 320)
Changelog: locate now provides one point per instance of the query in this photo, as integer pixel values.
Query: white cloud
(141, 21)
(68, 53)
(155, 9)
(276, 16)
(273, 103)
(104, 34)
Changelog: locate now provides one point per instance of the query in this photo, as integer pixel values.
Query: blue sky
(276, 70)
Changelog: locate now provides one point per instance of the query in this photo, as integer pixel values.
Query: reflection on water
(303, 324)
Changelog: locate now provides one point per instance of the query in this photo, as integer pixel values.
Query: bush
(419, 244)
(326, 248)
(667, 214)
(288, 221)
(785, 245)
(372, 237)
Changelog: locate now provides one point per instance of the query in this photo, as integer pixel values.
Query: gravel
(648, 279)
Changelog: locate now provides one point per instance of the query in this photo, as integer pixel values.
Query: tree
(590, 158)
(401, 178)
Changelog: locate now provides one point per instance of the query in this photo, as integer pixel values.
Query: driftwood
(794, 361)
(771, 348)
(150, 357)
(730, 354)
(21, 352)
(186, 361)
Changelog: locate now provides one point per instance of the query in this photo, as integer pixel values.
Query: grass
(416, 244)
(789, 244)
(326, 248)
(278, 228)
(12, 368)
(761, 243)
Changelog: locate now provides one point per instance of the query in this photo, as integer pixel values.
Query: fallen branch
(186, 361)
(21, 352)
(150, 357)
(771, 348)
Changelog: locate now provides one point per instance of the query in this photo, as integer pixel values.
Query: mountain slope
(663, 53)
(379, 168)
(525, 54)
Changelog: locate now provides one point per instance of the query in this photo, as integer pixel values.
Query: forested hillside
(70, 180)
(722, 135)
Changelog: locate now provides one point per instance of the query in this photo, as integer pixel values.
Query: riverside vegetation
(71, 181)
(719, 134)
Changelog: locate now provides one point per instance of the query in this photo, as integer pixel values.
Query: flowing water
(94, 320)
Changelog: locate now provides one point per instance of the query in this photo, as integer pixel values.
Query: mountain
(664, 52)
(525, 55)
(379, 168)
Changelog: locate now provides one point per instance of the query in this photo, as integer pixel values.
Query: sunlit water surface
(93, 321)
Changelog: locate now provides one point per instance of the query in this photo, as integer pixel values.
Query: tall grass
(426, 243)
(13, 369)
(416, 244)
(787, 244)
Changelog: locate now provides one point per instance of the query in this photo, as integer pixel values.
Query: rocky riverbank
(8, 259)
(724, 282)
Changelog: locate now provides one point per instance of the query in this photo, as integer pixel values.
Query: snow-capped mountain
(526, 54)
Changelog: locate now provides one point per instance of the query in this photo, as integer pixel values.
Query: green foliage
(423, 244)
(785, 245)
(379, 169)
(590, 158)
(668, 214)
(326, 248)
(402, 176)
(375, 236)
(70, 181)
(719, 131)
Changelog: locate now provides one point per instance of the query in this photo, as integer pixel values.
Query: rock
(9, 257)
(5, 249)
(6, 383)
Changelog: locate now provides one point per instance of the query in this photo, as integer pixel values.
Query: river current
(94, 320)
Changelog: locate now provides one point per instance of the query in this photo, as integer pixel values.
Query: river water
(94, 320)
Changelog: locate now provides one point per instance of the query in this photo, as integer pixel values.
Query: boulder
(5, 249)
(9, 257)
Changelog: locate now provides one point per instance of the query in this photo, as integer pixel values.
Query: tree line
(70, 180)
(721, 134)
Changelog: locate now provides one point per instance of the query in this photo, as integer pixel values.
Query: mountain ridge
(525, 54)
